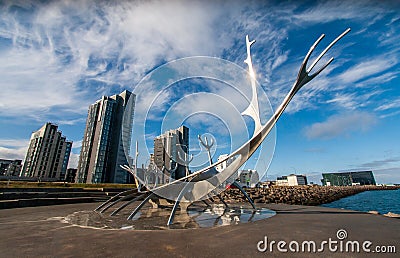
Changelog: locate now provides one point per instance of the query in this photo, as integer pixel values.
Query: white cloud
(347, 101)
(32, 82)
(327, 11)
(66, 54)
(13, 148)
(73, 160)
(390, 114)
(365, 69)
(377, 80)
(77, 144)
(342, 124)
(66, 44)
(387, 175)
(69, 122)
(389, 105)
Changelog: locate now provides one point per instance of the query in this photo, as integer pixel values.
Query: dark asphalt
(39, 232)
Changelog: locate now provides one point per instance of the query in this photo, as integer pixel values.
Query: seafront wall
(302, 195)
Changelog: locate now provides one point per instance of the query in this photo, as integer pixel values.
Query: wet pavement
(44, 232)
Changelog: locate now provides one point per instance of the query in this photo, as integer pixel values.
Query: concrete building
(225, 163)
(291, 180)
(282, 181)
(294, 180)
(10, 167)
(248, 178)
(48, 154)
(169, 150)
(70, 175)
(348, 178)
(102, 150)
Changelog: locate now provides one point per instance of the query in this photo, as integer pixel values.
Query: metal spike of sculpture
(171, 171)
(185, 160)
(208, 146)
(252, 110)
(209, 177)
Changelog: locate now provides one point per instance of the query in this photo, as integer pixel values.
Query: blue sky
(58, 57)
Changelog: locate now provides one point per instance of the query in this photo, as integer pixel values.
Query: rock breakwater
(301, 195)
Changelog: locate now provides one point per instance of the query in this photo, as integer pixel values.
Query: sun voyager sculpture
(208, 181)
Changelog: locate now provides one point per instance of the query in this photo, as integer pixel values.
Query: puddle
(149, 218)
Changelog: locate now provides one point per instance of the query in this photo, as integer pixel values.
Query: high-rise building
(10, 167)
(70, 175)
(171, 150)
(48, 154)
(348, 178)
(102, 150)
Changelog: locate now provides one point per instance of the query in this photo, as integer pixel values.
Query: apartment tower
(102, 150)
(48, 154)
(170, 151)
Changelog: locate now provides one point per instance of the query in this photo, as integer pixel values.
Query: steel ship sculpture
(207, 182)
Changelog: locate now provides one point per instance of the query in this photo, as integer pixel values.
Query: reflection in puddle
(150, 218)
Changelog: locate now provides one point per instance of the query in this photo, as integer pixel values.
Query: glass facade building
(348, 178)
(102, 150)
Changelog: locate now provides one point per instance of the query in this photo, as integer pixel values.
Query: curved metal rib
(252, 215)
(303, 77)
(222, 200)
(117, 201)
(219, 217)
(140, 206)
(245, 194)
(127, 203)
(178, 200)
(114, 198)
(326, 49)
(206, 203)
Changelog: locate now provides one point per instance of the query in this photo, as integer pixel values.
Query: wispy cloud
(365, 69)
(378, 79)
(390, 114)
(70, 122)
(328, 11)
(389, 105)
(341, 124)
(67, 54)
(380, 163)
(345, 100)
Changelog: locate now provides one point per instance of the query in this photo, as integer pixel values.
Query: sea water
(383, 201)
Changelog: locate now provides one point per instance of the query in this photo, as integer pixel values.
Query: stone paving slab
(40, 232)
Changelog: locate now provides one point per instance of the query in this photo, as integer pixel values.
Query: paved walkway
(39, 232)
